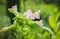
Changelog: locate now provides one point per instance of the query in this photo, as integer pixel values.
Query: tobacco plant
(28, 25)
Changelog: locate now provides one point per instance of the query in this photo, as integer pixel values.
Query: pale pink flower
(14, 8)
(37, 14)
(30, 15)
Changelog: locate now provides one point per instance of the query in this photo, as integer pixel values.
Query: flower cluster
(30, 15)
(36, 15)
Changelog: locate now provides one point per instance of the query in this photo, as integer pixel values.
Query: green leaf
(52, 23)
(19, 28)
(46, 35)
(31, 36)
(58, 35)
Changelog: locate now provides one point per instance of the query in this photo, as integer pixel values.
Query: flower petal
(37, 14)
(29, 14)
(14, 8)
(40, 23)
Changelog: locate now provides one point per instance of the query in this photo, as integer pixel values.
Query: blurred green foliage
(38, 4)
(29, 29)
(49, 13)
(4, 19)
